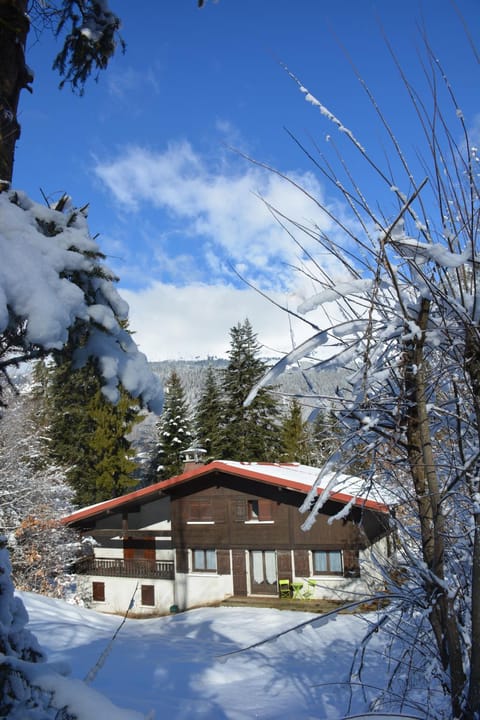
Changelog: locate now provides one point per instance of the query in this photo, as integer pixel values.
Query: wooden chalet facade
(228, 529)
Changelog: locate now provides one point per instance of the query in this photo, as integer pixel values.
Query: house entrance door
(263, 572)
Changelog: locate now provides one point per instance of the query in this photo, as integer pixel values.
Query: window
(327, 562)
(204, 560)
(98, 591)
(148, 595)
(259, 510)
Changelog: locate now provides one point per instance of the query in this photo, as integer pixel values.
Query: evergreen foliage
(249, 434)
(89, 435)
(295, 438)
(208, 415)
(173, 430)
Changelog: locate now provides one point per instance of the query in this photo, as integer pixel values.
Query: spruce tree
(88, 435)
(174, 433)
(296, 445)
(247, 434)
(208, 416)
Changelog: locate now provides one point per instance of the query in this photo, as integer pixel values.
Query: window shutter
(239, 510)
(264, 509)
(148, 595)
(223, 562)
(284, 563)
(351, 564)
(302, 566)
(199, 510)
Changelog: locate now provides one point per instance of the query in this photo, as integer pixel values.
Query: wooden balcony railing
(126, 568)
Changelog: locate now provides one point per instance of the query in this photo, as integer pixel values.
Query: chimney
(193, 457)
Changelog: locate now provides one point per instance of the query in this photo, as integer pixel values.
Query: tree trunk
(432, 522)
(472, 363)
(15, 75)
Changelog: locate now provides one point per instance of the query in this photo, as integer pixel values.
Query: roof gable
(293, 476)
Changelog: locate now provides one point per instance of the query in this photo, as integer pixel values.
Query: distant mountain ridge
(292, 382)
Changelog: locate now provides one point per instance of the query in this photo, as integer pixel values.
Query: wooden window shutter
(284, 564)
(351, 564)
(149, 549)
(200, 510)
(302, 565)
(264, 509)
(128, 549)
(223, 562)
(181, 561)
(239, 510)
(219, 510)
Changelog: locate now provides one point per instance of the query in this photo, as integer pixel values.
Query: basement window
(98, 591)
(148, 595)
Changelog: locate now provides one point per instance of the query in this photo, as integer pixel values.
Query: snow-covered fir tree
(67, 295)
(173, 431)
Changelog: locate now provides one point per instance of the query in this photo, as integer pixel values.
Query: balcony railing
(126, 568)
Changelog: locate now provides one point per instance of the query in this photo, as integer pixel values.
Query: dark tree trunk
(432, 522)
(472, 363)
(14, 76)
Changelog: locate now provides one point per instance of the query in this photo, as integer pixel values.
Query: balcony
(162, 569)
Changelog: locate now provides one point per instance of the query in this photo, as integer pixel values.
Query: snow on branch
(55, 288)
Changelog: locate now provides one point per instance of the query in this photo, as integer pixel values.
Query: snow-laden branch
(53, 283)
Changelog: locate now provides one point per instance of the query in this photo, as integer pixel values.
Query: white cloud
(194, 321)
(218, 207)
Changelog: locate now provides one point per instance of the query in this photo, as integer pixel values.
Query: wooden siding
(279, 527)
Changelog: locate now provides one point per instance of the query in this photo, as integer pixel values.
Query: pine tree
(296, 445)
(248, 434)
(174, 434)
(88, 435)
(208, 415)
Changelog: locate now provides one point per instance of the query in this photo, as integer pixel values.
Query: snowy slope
(189, 665)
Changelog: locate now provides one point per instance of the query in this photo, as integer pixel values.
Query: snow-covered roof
(293, 476)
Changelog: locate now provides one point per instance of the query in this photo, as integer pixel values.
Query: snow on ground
(189, 665)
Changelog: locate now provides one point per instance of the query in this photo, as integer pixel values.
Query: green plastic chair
(284, 588)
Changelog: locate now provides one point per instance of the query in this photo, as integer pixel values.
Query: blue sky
(150, 146)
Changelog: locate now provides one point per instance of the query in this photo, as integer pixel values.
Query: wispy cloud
(124, 84)
(219, 211)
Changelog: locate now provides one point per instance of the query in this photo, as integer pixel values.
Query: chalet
(230, 529)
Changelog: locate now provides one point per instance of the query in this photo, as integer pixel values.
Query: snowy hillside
(293, 381)
(220, 663)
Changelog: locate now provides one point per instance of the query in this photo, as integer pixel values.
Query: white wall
(119, 593)
(193, 589)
